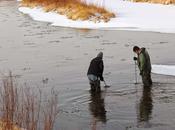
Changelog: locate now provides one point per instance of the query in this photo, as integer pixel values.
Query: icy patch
(130, 16)
(163, 69)
(61, 20)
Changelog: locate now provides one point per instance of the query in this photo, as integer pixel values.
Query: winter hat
(100, 55)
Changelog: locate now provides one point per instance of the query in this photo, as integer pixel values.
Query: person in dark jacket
(95, 72)
(144, 64)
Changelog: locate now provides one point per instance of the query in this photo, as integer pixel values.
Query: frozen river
(44, 56)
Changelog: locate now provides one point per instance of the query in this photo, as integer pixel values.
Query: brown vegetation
(73, 9)
(157, 1)
(22, 109)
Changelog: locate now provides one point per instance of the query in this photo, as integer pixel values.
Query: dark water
(48, 57)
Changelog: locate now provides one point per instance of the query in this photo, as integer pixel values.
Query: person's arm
(101, 70)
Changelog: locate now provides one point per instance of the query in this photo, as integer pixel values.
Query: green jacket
(144, 62)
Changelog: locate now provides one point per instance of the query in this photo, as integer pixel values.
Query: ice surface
(163, 69)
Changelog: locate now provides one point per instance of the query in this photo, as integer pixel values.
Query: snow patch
(164, 69)
(129, 16)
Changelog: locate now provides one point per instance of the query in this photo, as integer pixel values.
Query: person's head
(136, 49)
(100, 55)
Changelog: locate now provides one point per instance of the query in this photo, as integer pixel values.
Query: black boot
(93, 88)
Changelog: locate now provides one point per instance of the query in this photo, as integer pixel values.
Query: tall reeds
(23, 109)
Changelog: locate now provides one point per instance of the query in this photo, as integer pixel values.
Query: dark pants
(146, 79)
(94, 83)
(95, 86)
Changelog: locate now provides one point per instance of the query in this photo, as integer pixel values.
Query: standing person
(144, 64)
(95, 72)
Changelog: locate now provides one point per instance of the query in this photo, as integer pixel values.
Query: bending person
(144, 64)
(95, 72)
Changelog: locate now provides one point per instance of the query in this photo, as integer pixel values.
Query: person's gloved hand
(141, 73)
(134, 58)
(101, 78)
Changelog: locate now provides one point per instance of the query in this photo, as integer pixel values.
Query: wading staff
(135, 71)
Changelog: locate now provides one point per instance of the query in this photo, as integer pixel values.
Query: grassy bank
(166, 2)
(73, 9)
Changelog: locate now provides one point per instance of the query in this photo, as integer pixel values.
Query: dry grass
(73, 9)
(3, 126)
(22, 109)
(166, 2)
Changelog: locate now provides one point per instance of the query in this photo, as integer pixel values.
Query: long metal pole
(135, 72)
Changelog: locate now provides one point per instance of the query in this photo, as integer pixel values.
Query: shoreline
(154, 21)
(74, 10)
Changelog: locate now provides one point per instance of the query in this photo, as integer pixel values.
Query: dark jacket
(144, 62)
(96, 67)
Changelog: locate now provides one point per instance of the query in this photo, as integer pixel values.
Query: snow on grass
(164, 69)
(129, 16)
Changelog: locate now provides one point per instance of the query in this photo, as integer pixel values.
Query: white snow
(130, 16)
(164, 69)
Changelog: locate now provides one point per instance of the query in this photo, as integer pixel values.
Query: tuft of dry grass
(73, 9)
(3, 126)
(166, 2)
(23, 109)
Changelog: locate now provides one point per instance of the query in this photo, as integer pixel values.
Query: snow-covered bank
(163, 69)
(130, 16)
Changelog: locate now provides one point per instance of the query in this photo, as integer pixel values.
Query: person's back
(148, 61)
(96, 67)
(144, 65)
(144, 61)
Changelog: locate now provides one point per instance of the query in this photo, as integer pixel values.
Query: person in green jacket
(144, 64)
